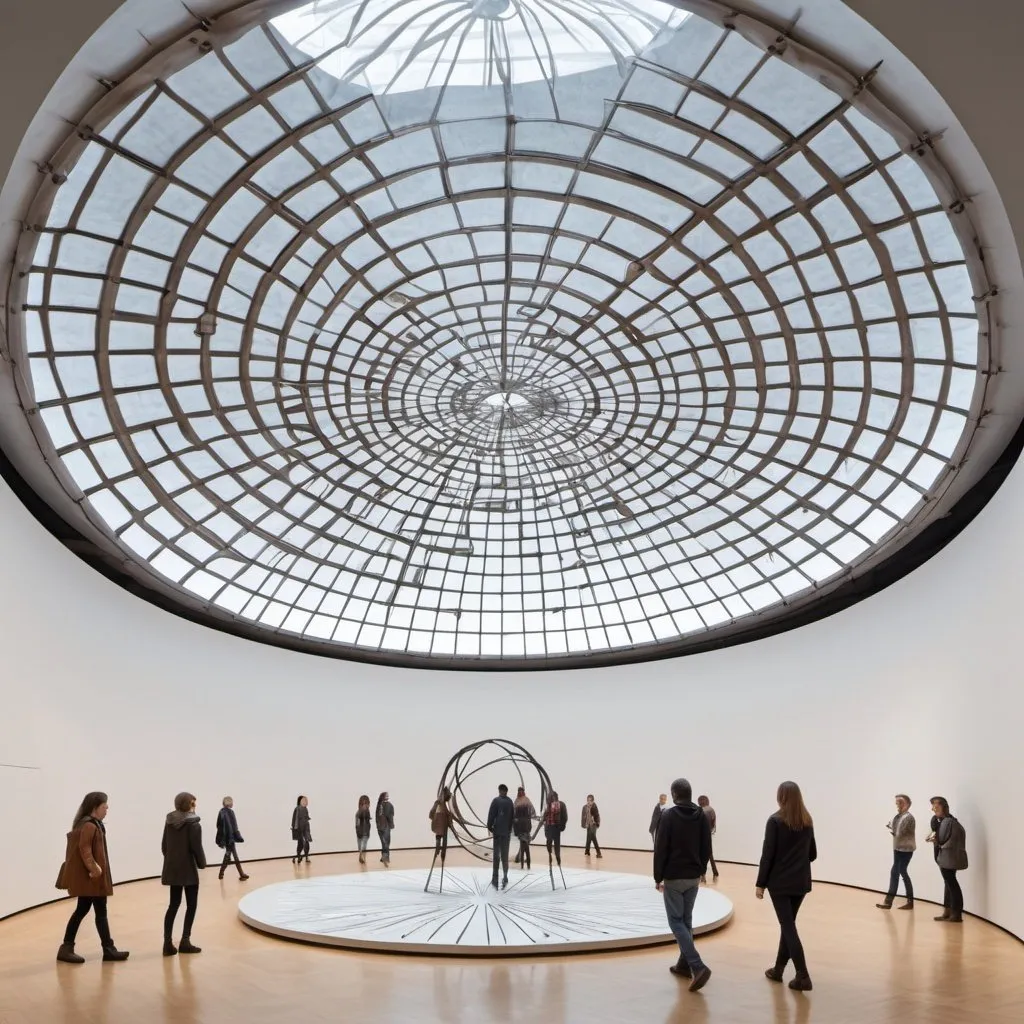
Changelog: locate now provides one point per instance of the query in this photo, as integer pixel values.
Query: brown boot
(944, 916)
(67, 955)
(886, 904)
(909, 905)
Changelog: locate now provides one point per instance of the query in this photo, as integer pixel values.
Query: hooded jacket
(182, 847)
(682, 844)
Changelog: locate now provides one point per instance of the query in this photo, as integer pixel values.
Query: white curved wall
(915, 689)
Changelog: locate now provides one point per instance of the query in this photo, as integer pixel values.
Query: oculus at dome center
(499, 331)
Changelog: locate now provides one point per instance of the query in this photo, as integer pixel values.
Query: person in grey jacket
(182, 847)
(950, 841)
(499, 824)
(904, 842)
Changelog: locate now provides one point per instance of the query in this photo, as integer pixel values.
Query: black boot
(170, 949)
(801, 983)
(886, 904)
(67, 955)
(111, 954)
(909, 905)
(185, 946)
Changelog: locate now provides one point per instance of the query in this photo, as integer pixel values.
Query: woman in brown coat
(86, 875)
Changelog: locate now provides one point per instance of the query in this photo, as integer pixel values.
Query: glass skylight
(498, 329)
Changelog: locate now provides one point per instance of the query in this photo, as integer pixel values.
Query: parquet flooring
(869, 967)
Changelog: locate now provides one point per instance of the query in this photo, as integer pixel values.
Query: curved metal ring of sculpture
(469, 825)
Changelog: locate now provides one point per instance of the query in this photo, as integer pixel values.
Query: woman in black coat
(785, 871)
(182, 847)
(300, 830)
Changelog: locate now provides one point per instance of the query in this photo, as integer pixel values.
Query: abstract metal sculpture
(469, 826)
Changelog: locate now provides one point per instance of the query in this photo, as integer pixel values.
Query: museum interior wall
(916, 689)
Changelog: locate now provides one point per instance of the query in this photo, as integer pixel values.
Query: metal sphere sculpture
(469, 819)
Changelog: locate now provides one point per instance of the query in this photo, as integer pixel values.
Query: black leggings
(592, 838)
(953, 898)
(302, 850)
(523, 856)
(85, 904)
(191, 900)
(790, 946)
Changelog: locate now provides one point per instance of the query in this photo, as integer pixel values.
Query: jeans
(362, 842)
(385, 844)
(679, 911)
(592, 838)
(900, 863)
(500, 853)
(81, 912)
(790, 946)
(230, 851)
(191, 901)
(953, 898)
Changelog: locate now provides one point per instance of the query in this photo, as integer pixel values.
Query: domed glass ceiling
(498, 329)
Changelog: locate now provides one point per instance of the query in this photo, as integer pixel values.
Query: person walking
(659, 809)
(522, 825)
(785, 871)
(384, 816)
(705, 805)
(590, 820)
(301, 834)
(228, 838)
(85, 874)
(556, 817)
(440, 822)
(682, 846)
(950, 839)
(182, 847)
(499, 824)
(363, 827)
(903, 829)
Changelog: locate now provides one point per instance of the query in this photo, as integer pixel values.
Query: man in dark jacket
(228, 837)
(499, 824)
(682, 846)
(659, 810)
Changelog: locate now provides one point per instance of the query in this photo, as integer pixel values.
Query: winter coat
(182, 847)
(561, 813)
(385, 819)
(595, 815)
(951, 842)
(786, 856)
(499, 817)
(682, 845)
(656, 817)
(440, 818)
(363, 823)
(522, 819)
(300, 823)
(86, 847)
(227, 829)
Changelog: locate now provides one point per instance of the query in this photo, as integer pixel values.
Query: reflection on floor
(869, 967)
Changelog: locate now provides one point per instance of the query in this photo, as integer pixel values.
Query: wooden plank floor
(868, 967)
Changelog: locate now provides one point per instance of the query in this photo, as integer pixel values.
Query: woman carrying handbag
(85, 874)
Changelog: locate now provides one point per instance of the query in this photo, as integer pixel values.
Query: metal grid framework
(500, 329)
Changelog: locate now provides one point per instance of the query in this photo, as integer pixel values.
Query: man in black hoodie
(682, 847)
(499, 824)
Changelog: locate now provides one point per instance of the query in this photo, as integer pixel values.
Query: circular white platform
(388, 911)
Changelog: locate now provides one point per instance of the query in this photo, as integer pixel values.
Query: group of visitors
(681, 832)
(949, 844)
(682, 850)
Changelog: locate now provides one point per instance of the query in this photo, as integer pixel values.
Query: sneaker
(681, 969)
(700, 979)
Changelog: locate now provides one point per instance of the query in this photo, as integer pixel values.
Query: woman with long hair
(86, 875)
(384, 816)
(522, 824)
(182, 847)
(300, 830)
(363, 827)
(785, 871)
